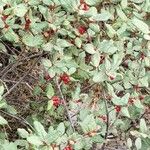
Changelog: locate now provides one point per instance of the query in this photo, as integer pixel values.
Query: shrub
(96, 70)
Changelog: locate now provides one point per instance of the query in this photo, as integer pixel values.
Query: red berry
(65, 78)
(4, 17)
(111, 77)
(27, 24)
(136, 87)
(82, 29)
(104, 118)
(118, 109)
(142, 56)
(47, 77)
(6, 26)
(141, 97)
(84, 7)
(131, 101)
(56, 101)
(68, 148)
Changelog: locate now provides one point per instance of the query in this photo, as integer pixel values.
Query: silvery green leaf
(78, 42)
(35, 140)
(138, 143)
(1, 89)
(99, 77)
(32, 41)
(70, 5)
(89, 48)
(2, 24)
(92, 2)
(121, 14)
(141, 25)
(129, 143)
(107, 47)
(111, 31)
(104, 16)
(46, 63)
(20, 10)
(146, 37)
(125, 112)
(63, 43)
(11, 36)
(3, 121)
(48, 2)
(96, 59)
(121, 101)
(143, 126)
(124, 4)
(91, 12)
(61, 128)
(22, 133)
(49, 91)
(47, 47)
(94, 27)
(40, 129)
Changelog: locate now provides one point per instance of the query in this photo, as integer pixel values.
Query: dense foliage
(96, 71)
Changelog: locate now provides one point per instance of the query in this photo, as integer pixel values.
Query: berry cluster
(56, 101)
(65, 78)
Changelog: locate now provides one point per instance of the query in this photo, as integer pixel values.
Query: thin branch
(65, 104)
(107, 123)
(22, 120)
(87, 88)
(13, 87)
(11, 81)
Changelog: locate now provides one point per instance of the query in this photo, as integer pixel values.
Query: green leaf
(11, 36)
(111, 31)
(141, 25)
(78, 42)
(1, 90)
(88, 124)
(94, 27)
(96, 59)
(22, 133)
(20, 10)
(3, 48)
(47, 47)
(124, 4)
(121, 14)
(143, 127)
(40, 129)
(32, 41)
(70, 5)
(125, 112)
(63, 43)
(49, 105)
(138, 143)
(3, 121)
(61, 128)
(35, 140)
(89, 48)
(138, 104)
(129, 143)
(91, 2)
(9, 146)
(99, 77)
(46, 63)
(49, 91)
(2, 25)
(107, 47)
(104, 16)
(121, 101)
